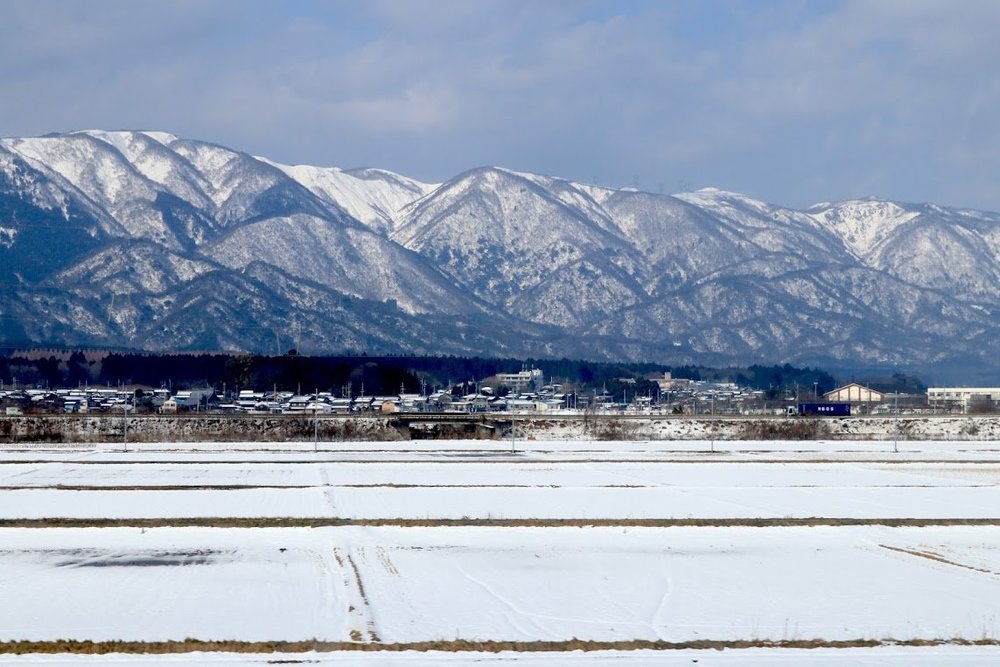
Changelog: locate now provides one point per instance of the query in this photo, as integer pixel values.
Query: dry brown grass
(785, 429)
(463, 645)
(618, 429)
(305, 522)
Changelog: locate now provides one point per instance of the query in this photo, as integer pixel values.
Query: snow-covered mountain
(516, 243)
(147, 240)
(374, 196)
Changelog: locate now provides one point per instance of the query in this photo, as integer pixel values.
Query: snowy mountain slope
(810, 317)
(105, 177)
(863, 225)
(244, 188)
(771, 228)
(923, 245)
(943, 256)
(147, 240)
(582, 200)
(32, 188)
(138, 266)
(260, 309)
(128, 174)
(350, 260)
(152, 157)
(682, 242)
(373, 196)
(44, 225)
(513, 243)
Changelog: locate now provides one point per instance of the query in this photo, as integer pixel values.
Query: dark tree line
(383, 374)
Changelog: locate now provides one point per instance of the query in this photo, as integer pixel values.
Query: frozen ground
(390, 584)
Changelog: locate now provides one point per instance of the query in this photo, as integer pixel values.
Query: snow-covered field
(949, 501)
(484, 583)
(502, 584)
(610, 583)
(718, 472)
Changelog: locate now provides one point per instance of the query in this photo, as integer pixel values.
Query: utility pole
(895, 409)
(125, 427)
(513, 433)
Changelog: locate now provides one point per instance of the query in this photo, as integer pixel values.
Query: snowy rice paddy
(367, 579)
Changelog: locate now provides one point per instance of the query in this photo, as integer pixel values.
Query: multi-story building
(526, 379)
(962, 397)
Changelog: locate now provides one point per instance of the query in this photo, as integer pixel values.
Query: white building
(519, 381)
(961, 396)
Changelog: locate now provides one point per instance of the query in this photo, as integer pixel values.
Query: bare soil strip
(320, 522)
(937, 558)
(159, 487)
(396, 485)
(385, 485)
(457, 645)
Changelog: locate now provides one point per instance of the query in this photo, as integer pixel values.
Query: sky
(789, 101)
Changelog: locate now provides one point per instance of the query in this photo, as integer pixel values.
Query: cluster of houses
(85, 400)
(523, 392)
(440, 401)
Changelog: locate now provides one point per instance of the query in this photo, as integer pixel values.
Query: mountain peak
(720, 200)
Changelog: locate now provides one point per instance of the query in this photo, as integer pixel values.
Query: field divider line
(158, 487)
(328, 485)
(505, 459)
(456, 645)
(322, 522)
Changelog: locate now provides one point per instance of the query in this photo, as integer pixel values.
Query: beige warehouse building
(854, 393)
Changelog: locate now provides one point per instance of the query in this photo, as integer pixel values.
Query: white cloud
(790, 101)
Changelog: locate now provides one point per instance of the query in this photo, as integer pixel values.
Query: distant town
(525, 392)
